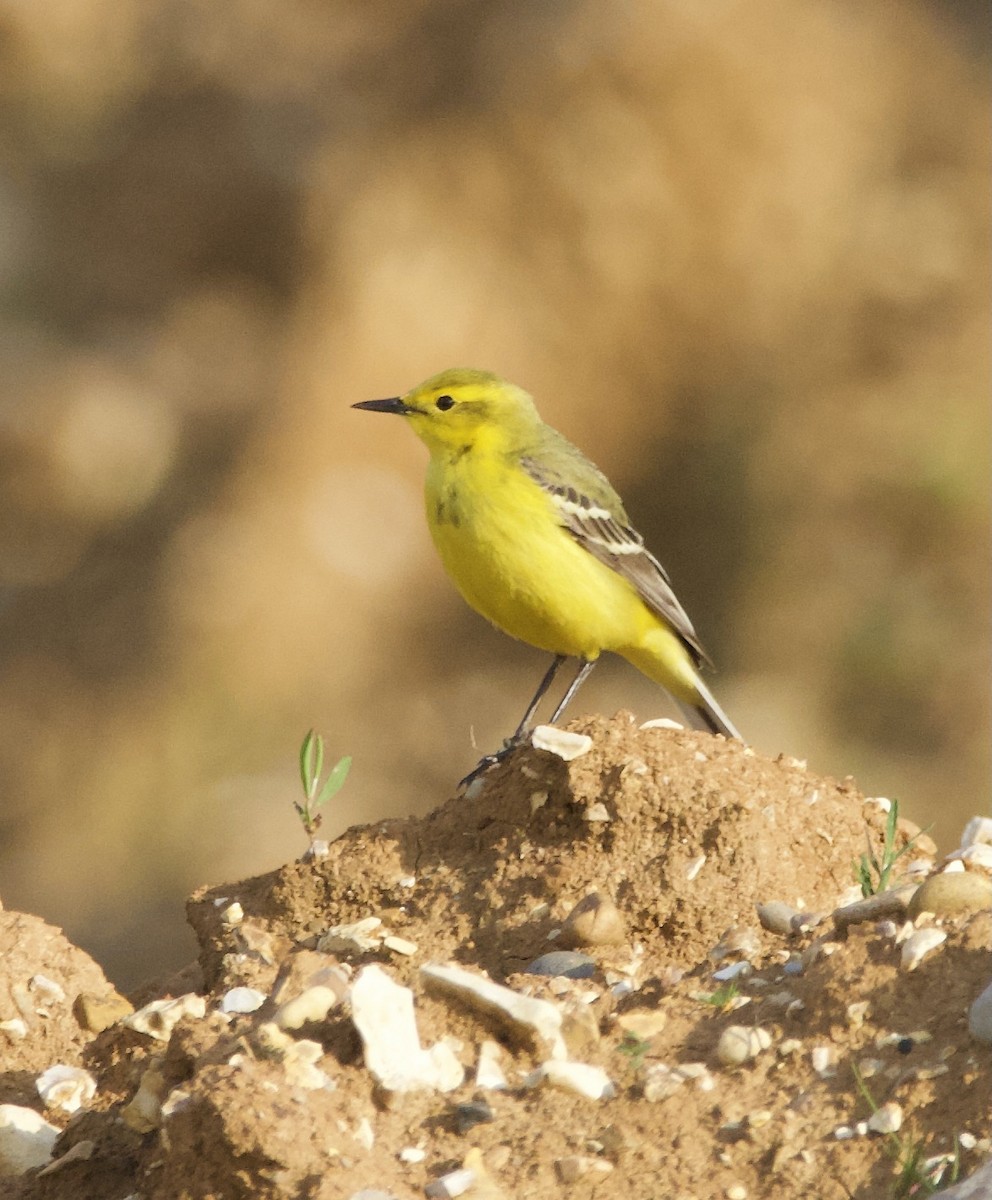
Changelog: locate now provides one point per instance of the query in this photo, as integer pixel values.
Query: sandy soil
(677, 836)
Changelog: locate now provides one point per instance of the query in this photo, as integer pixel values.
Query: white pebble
(65, 1087)
(488, 1073)
(159, 1018)
(400, 945)
(920, 944)
(582, 1078)
(978, 829)
(737, 1191)
(26, 1139)
(738, 1043)
(694, 867)
(561, 742)
(450, 1185)
(234, 914)
(661, 723)
(978, 855)
(311, 1005)
(382, 1012)
(49, 992)
(886, 1119)
(242, 1000)
(822, 1058)
(412, 1154)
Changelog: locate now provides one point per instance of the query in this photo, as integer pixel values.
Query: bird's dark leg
(573, 687)
(542, 688)
(511, 743)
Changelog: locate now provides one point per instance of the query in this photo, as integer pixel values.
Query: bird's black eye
(444, 403)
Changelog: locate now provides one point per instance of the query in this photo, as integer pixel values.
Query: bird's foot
(491, 760)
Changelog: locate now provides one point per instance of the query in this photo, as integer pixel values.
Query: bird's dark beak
(394, 405)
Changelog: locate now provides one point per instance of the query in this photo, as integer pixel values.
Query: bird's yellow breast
(503, 546)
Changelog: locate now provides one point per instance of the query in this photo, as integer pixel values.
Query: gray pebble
(980, 1016)
(777, 917)
(472, 1113)
(569, 963)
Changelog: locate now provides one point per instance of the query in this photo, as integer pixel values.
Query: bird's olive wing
(620, 547)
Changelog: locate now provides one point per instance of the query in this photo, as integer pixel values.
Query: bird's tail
(704, 712)
(663, 657)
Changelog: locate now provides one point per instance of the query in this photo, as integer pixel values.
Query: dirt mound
(728, 1059)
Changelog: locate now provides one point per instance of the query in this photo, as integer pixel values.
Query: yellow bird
(538, 542)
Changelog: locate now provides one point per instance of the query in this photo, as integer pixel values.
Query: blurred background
(738, 252)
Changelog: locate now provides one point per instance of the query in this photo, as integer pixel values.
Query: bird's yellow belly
(520, 569)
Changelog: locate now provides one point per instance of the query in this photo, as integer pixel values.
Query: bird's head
(463, 408)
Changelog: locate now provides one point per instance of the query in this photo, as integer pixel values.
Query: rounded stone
(947, 894)
(980, 1017)
(594, 921)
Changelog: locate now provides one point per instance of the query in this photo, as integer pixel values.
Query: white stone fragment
(447, 1187)
(661, 723)
(65, 1087)
(738, 1043)
(383, 1014)
(412, 1154)
(312, 1004)
(539, 1018)
(364, 1134)
(26, 1139)
(582, 1078)
(242, 1000)
(881, 802)
(159, 1018)
(488, 1073)
(662, 1081)
(978, 830)
(562, 742)
(822, 1058)
(15, 1027)
(694, 867)
(400, 945)
(919, 945)
(48, 991)
(887, 1118)
(977, 855)
(597, 813)
(955, 864)
(299, 1061)
(176, 1100)
(351, 938)
(234, 914)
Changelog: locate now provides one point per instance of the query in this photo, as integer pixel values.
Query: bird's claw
(490, 760)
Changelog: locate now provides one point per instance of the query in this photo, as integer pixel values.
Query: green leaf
(334, 782)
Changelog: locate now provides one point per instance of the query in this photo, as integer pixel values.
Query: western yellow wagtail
(538, 542)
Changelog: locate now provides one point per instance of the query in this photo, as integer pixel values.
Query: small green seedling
(724, 995)
(636, 1049)
(873, 873)
(315, 794)
(918, 1176)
